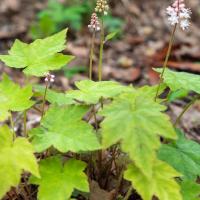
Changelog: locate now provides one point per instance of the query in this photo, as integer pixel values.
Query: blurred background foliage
(73, 14)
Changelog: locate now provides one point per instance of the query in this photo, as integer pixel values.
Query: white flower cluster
(179, 14)
(102, 7)
(49, 78)
(94, 23)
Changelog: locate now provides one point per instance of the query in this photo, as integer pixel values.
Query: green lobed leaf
(161, 184)
(64, 129)
(181, 80)
(190, 190)
(183, 155)
(13, 98)
(58, 181)
(91, 92)
(15, 156)
(136, 120)
(40, 56)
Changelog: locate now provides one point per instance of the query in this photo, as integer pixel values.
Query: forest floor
(130, 59)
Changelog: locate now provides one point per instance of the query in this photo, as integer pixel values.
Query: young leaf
(13, 98)
(40, 56)
(181, 80)
(178, 94)
(63, 128)
(53, 97)
(15, 156)
(90, 92)
(190, 190)
(139, 121)
(183, 155)
(58, 181)
(110, 36)
(161, 184)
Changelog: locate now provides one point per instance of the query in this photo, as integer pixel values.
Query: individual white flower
(184, 24)
(179, 14)
(185, 13)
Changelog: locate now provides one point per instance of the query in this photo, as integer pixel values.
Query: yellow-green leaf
(63, 128)
(136, 120)
(15, 156)
(58, 181)
(13, 98)
(161, 184)
(91, 92)
(40, 56)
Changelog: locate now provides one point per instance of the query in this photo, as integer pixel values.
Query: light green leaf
(161, 184)
(183, 155)
(52, 96)
(90, 92)
(110, 36)
(190, 190)
(40, 56)
(63, 128)
(136, 120)
(15, 156)
(58, 181)
(181, 80)
(13, 98)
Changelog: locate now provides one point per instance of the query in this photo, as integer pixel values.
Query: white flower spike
(94, 23)
(102, 7)
(179, 14)
(49, 78)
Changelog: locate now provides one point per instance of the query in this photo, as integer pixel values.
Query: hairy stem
(101, 51)
(44, 100)
(12, 125)
(25, 127)
(119, 182)
(91, 55)
(128, 194)
(186, 108)
(166, 60)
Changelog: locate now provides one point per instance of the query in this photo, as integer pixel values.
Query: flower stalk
(101, 52)
(49, 78)
(91, 55)
(94, 26)
(166, 60)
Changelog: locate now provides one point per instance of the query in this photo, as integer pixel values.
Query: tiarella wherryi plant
(99, 131)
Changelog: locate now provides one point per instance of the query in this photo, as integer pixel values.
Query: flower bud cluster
(94, 23)
(102, 7)
(49, 78)
(179, 14)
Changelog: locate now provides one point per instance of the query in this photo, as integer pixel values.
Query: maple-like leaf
(136, 120)
(91, 92)
(183, 155)
(181, 80)
(190, 190)
(13, 98)
(64, 129)
(15, 156)
(161, 184)
(40, 56)
(58, 181)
